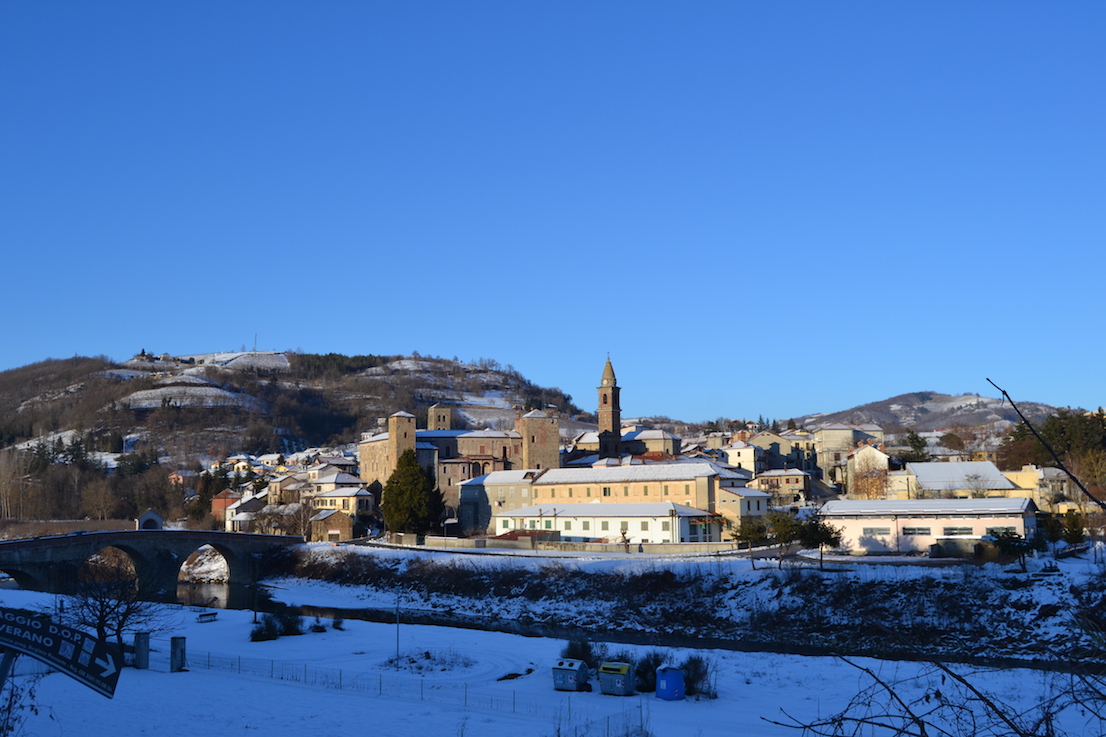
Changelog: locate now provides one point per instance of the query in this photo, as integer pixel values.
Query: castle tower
(541, 440)
(401, 437)
(439, 418)
(380, 453)
(610, 415)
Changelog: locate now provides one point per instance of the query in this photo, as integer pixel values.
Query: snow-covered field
(456, 699)
(466, 682)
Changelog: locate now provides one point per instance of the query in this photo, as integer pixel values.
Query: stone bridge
(52, 563)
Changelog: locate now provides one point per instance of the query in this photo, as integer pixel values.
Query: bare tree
(110, 601)
(942, 702)
(869, 480)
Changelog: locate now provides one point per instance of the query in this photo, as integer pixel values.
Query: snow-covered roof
(502, 477)
(628, 474)
(782, 472)
(345, 491)
(609, 509)
(744, 491)
(535, 413)
(466, 434)
(340, 478)
(959, 475)
(922, 507)
(647, 435)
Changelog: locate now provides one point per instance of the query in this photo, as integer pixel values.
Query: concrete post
(142, 650)
(177, 659)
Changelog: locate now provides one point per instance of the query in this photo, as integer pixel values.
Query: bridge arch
(53, 563)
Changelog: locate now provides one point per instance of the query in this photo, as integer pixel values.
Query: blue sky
(756, 208)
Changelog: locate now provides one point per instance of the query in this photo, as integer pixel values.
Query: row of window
(607, 491)
(945, 531)
(604, 525)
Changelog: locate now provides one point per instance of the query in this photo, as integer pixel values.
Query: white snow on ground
(194, 379)
(123, 373)
(189, 396)
(456, 699)
(488, 399)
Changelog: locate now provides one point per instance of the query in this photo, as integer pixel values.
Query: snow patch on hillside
(190, 396)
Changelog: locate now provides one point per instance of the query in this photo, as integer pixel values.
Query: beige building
(693, 484)
(740, 454)
(909, 526)
(866, 471)
(833, 442)
(733, 503)
(787, 486)
(790, 449)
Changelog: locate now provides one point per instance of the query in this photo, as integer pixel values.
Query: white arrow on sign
(107, 665)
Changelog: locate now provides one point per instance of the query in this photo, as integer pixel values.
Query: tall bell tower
(610, 415)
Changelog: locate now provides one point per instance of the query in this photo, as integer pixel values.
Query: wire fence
(397, 686)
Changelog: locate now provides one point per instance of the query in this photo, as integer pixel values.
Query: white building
(635, 522)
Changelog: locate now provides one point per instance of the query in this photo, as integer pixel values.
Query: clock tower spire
(610, 415)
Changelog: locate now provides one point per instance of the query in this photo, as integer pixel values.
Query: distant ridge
(931, 411)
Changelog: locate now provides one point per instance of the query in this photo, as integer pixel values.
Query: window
(568, 524)
(666, 489)
(687, 488)
(957, 531)
(915, 531)
(506, 524)
(624, 526)
(533, 524)
(665, 527)
(876, 531)
(552, 493)
(1003, 529)
(645, 527)
(586, 524)
(589, 491)
(570, 492)
(606, 491)
(549, 524)
(645, 490)
(603, 525)
(625, 491)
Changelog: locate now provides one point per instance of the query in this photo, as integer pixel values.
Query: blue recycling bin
(670, 683)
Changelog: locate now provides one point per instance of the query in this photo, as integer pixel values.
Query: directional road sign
(93, 662)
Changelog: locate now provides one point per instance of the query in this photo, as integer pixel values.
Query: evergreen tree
(917, 452)
(411, 502)
(816, 532)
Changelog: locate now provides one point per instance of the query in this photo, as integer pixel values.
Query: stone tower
(401, 437)
(541, 440)
(610, 415)
(439, 418)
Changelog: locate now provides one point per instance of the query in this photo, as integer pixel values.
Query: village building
(956, 526)
(455, 456)
(951, 480)
(833, 442)
(634, 523)
(787, 486)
